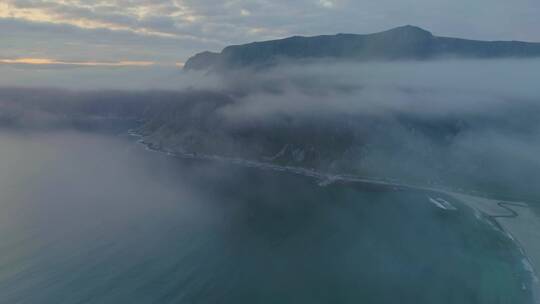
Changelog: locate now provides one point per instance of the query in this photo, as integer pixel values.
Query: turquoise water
(88, 218)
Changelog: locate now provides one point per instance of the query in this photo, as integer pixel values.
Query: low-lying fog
(477, 119)
(87, 214)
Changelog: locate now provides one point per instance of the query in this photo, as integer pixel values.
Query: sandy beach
(520, 223)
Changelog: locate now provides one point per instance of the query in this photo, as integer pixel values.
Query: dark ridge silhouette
(401, 43)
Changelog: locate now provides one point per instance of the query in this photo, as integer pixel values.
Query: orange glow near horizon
(47, 61)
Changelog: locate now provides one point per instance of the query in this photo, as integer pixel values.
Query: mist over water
(91, 78)
(88, 215)
(93, 217)
(311, 165)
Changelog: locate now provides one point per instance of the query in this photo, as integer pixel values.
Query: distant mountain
(402, 43)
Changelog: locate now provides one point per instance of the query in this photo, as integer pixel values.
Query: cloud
(170, 31)
(326, 3)
(432, 88)
(466, 123)
(45, 40)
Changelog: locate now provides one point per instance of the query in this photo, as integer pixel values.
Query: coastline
(520, 224)
(523, 232)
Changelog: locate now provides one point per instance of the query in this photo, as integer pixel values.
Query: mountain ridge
(400, 43)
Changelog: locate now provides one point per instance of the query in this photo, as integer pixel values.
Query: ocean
(95, 218)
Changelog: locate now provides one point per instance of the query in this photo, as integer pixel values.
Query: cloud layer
(469, 124)
(169, 31)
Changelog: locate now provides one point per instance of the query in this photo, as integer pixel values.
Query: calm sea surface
(87, 218)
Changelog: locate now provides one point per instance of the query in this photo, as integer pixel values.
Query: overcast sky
(142, 33)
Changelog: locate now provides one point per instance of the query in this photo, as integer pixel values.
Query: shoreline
(521, 226)
(325, 179)
(500, 212)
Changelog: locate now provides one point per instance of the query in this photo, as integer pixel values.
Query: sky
(162, 34)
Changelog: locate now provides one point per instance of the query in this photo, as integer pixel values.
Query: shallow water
(88, 218)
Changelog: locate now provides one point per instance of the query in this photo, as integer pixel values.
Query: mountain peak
(401, 43)
(409, 30)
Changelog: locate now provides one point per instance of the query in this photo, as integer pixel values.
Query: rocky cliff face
(402, 43)
(458, 151)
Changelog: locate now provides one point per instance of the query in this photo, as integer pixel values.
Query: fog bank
(470, 124)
